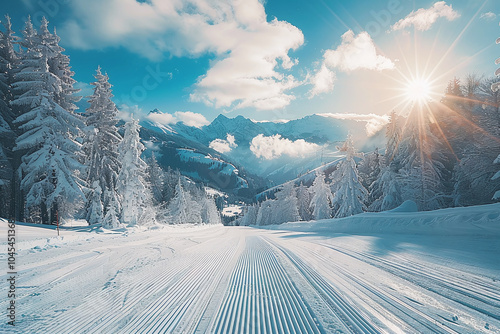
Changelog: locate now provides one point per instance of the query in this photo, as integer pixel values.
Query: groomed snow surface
(393, 272)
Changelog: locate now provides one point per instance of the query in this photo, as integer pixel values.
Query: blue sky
(272, 60)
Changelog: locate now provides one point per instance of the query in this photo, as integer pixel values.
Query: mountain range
(244, 157)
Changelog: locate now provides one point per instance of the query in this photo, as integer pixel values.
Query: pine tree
(386, 191)
(8, 62)
(350, 194)
(111, 220)
(95, 212)
(286, 206)
(369, 168)
(59, 65)
(209, 212)
(473, 184)
(156, 178)
(264, 216)
(102, 139)
(46, 133)
(182, 208)
(304, 202)
(422, 163)
(132, 187)
(250, 217)
(393, 140)
(321, 198)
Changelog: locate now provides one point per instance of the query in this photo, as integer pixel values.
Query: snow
(406, 206)
(404, 272)
(483, 220)
(232, 210)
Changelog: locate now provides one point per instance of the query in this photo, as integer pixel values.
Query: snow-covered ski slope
(307, 279)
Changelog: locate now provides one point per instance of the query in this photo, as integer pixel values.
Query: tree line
(438, 154)
(56, 162)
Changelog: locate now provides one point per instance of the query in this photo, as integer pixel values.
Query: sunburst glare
(418, 90)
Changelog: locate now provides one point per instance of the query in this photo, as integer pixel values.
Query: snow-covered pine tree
(264, 216)
(321, 198)
(95, 212)
(285, 205)
(111, 197)
(182, 209)
(6, 136)
(473, 184)
(386, 191)
(422, 162)
(304, 202)
(156, 178)
(209, 212)
(8, 60)
(111, 220)
(59, 65)
(171, 178)
(46, 133)
(132, 187)
(393, 139)
(102, 139)
(8, 63)
(250, 217)
(369, 168)
(350, 195)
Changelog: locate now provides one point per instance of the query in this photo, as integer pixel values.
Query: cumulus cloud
(489, 16)
(354, 53)
(162, 118)
(223, 146)
(374, 123)
(251, 53)
(322, 81)
(187, 117)
(191, 119)
(423, 19)
(274, 146)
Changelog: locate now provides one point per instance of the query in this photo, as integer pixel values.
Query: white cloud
(322, 81)
(187, 117)
(252, 53)
(162, 118)
(191, 119)
(489, 16)
(354, 53)
(423, 19)
(223, 146)
(374, 123)
(274, 146)
(230, 139)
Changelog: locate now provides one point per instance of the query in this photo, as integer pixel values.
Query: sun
(418, 90)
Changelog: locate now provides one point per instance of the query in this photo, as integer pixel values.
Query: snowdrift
(481, 220)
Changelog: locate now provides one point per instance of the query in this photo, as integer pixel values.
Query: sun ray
(452, 46)
(441, 132)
